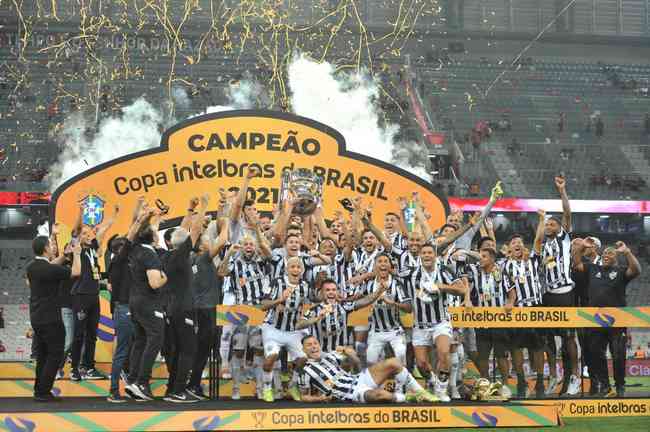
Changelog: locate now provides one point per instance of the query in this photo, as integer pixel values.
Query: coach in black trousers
(44, 278)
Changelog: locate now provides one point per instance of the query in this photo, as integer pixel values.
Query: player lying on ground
(324, 378)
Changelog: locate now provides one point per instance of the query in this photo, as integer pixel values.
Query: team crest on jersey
(93, 209)
(612, 275)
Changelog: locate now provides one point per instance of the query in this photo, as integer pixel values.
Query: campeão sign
(213, 151)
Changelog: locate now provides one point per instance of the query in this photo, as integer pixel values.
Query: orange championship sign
(213, 151)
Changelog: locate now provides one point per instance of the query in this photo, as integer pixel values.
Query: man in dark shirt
(606, 285)
(146, 311)
(206, 290)
(85, 293)
(182, 327)
(44, 279)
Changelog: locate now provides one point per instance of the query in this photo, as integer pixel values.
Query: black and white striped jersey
(331, 331)
(278, 262)
(249, 279)
(327, 377)
(524, 277)
(398, 240)
(556, 261)
(286, 318)
(341, 271)
(486, 288)
(429, 309)
(385, 317)
(406, 261)
(363, 261)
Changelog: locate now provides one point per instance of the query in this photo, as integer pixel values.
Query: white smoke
(348, 103)
(136, 130)
(180, 97)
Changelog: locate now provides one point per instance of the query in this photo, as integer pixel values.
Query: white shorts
(364, 383)
(361, 328)
(275, 339)
(246, 336)
(427, 337)
(378, 340)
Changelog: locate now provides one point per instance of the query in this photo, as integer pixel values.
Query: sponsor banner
(575, 408)
(362, 417)
(633, 367)
(213, 151)
(545, 317)
(551, 317)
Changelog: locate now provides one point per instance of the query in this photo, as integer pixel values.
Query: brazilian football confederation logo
(93, 210)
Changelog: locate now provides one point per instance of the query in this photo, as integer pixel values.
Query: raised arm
(539, 234)
(560, 183)
(75, 271)
(76, 228)
(473, 221)
(279, 229)
(633, 265)
(238, 204)
(385, 242)
(262, 243)
(103, 228)
(319, 219)
(217, 245)
(403, 205)
(197, 222)
(186, 223)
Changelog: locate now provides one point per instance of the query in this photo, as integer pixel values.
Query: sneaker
(60, 374)
(294, 393)
(197, 392)
(115, 397)
(267, 395)
(225, 374)
(441, 391)
(620, 391)
(94, 374)
(455, 395)
(75, 375)
(182, 397)
(141, 391)
(235, 395)
(422, 396)
(574, 386)
(552, 384)
(585, 372)
(278, 394)
(205, 374)
(258, 390)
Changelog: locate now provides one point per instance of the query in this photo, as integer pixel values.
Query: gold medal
(522, 279)
(96, 273)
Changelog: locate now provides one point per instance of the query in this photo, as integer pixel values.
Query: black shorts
(531, 338)
(560, 300)
(492, 338)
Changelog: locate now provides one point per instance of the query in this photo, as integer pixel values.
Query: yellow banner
(551, 317)
(312, 418)
(214, 151)
(541, 317)
(575, 408)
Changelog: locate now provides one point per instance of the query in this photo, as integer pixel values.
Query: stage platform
(96, 414)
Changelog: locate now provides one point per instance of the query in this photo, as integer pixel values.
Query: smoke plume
(348, 102)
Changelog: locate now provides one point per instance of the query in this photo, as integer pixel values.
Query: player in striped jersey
(523, 288)
(280, 257)
(486, 282)
(246, 270)
(328, 320)
(324, 377)
(394, 230)
(429, 286)
(385, 326)
(556, 259)
(284, 306)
